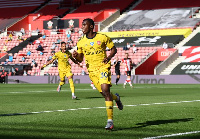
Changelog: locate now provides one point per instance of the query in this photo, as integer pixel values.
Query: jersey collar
(92, 37)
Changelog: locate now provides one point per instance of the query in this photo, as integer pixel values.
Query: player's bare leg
(71, 83)
(109, 97)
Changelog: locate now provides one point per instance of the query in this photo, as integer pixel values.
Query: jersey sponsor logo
(98, 42)
(94, 52)
(91, 43)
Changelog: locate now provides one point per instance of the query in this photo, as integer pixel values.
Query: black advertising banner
(61, 24)
(195, 41)
(186, 68)
(147, 41)
(50, 24)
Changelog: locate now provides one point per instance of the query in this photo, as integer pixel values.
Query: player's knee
(106, 93)
(103, 94)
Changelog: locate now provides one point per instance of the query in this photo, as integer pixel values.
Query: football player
(92, 46)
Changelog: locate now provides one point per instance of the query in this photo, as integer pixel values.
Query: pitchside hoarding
(136, 79)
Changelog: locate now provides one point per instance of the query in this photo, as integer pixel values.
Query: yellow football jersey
(63, 63)
(94, 49)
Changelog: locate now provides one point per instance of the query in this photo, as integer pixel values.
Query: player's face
(63, 46)
(126, 55)
(86, 27)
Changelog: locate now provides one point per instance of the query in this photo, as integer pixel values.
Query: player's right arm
(78, 56)
(49, 62)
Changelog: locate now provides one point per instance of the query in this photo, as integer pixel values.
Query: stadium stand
(164, 4)
(142, 17)
(114, 4)
(164, 19)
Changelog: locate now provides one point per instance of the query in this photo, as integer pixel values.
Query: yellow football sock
(109, 109)
(61, 83)
(114, 97)
(71, 83)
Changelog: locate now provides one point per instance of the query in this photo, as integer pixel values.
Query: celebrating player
(128, 66)
(64, 67)
(93, 47)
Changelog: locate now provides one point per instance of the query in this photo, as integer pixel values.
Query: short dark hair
(63, 43)
(90, 21)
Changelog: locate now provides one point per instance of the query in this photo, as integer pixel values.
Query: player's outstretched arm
(78, 56)
(49, 62)
(112, 54)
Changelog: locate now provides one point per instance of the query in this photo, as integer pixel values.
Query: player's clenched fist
(74, 54)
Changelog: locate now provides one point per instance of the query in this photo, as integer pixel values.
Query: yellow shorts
(66, 73)
(99, 76)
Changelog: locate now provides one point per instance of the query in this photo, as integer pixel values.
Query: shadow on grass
(156, 122)
(93, 97)
(16, 114)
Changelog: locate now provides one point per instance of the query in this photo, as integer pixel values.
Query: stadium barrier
(136, 79)
(160, 67)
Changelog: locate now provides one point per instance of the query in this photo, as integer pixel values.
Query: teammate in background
(116, 64)
(128, 66)
(92, 46)
(92, 85)
(64, 67)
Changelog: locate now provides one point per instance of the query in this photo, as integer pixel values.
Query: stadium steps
(168, 69)
(134, 5)
(197, 30)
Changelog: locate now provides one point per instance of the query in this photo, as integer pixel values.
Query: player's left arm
(112, 54)
(113, 49)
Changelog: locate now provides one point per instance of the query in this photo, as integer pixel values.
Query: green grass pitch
(38, 111)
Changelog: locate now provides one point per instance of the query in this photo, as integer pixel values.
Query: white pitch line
(93, 89)
(96, 108)
(173, 135)
(67, 90)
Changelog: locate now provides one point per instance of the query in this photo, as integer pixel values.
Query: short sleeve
(79, 48)
(68, 53)
(109, 43)
(55, 56)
